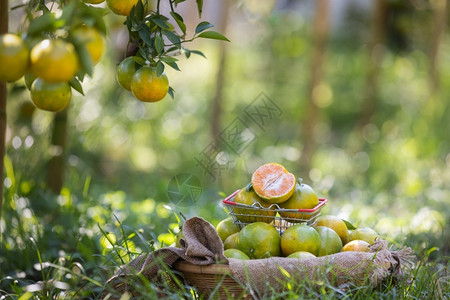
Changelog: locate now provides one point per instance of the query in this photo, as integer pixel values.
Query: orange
(54, 60)
(330, 242)
(231, 242)
(51, 96)
(301, 254)
(125, 72)
(147, 86)
(94, 1)
(259, 240)
(334, 223)
(300, 237)
(248, 215)
(365, 233)
(303, 197)
(91, 39)
(14, 57)
(226, 227)
(356, 245)
(235, 253)
(121, 7)
(273, 183)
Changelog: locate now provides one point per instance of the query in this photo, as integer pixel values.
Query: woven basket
(206, 279)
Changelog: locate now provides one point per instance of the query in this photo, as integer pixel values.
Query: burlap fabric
(202, 246)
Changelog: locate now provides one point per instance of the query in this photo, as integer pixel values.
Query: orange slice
(273, 183)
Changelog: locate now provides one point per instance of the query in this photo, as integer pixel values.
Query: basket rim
(213, 269)
(230, 201)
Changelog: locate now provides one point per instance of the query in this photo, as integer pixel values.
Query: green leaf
(349, 225)
(172, 37)
(139, 10)
(159, 68)
(45, 22)
(173, 65)
(145, 35)
(139, 60)
(198, 53)
(76, 85)
(69, 11)
(159, 44)
(203, 26)
(179, 21)
(161, 24)
(249, 187)
(171, 92)
(213, 35)
(168, 59)
(199, 7)
(187, 53)
(85, 59)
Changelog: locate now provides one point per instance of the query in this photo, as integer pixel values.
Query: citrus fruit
(51, 96)
(259, 240)
(334, 223)
(236, 253)
(304, 197)
(92, 39)
(301, 254)
(54, 60)
(364, 233)
(226, 227)
(14, 57)
(121, 7)
(231, 242)
(273, 183)
(125, 72)
(356, 245)
(147, 86)
(247, 215)
(300, 237)
(330, 242)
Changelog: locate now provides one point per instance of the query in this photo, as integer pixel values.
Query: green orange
(147, 86)
(364, 233)
(273, 183)
(300, 237)
(330, 242)
(334, 223)
(50, 96)
(226, 227)
(304, 197)
(301, 254)
(262, 212)
(121, 7)
(14, 57)
(232, 241)
(356, 245)
(125, 72)
(235, 253)
(259, 240)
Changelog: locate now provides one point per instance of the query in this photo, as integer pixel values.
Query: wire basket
(278, 217)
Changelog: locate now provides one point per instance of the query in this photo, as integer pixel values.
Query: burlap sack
(202, 246)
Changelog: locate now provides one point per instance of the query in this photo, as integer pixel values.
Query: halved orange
(273, 183)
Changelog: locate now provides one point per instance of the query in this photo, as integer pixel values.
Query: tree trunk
(56, 165)
(376, 50)
(440, 8)
(4, 10)
(321, 31)
(220, 79)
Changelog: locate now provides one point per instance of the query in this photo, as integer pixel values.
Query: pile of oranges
(275, 193)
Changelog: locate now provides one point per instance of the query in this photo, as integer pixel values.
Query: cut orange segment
(273, 183)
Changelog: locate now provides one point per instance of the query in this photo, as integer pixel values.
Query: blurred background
(352, 96)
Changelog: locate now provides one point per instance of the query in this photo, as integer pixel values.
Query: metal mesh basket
(278, 217)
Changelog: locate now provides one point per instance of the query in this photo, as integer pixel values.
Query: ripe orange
(303, 197)
(121, 7)
(54, 60)
(300, 237)
(235, 253)
(232, 241)
(330, 242)
(273, 183)
(147, 86)
(226, 227)
(92, 39)
(259, 240)
(301, 254)
(51, 96)
(334, 223)
(365, 233)
(14, 57)
(249, 197)
(356, 245)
